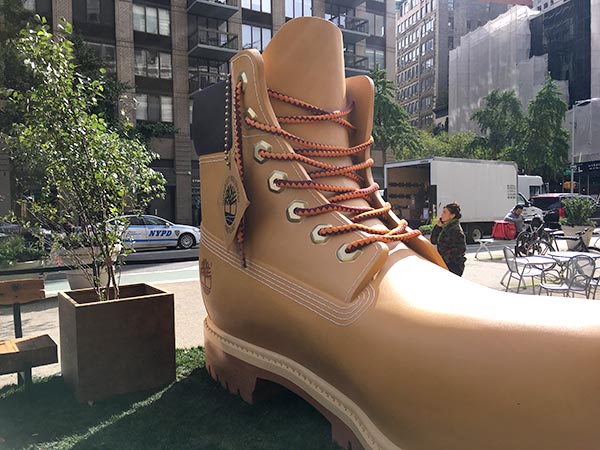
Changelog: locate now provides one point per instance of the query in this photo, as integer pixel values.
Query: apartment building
(166, 50)
(426, 31)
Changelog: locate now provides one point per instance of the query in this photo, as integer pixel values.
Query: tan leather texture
(435, 361)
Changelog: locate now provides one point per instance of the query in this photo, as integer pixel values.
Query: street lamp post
(573, 166)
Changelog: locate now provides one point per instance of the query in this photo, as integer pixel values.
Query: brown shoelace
(304, 154)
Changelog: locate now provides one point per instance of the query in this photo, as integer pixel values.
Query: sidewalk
(42, 317)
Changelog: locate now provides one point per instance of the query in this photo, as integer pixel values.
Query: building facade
(426, 31)
(497, 56)
(167, 50)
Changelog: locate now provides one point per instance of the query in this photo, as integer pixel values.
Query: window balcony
(219, 9)
(354, 29)
(356, 65)
(202, 80)
(212, 44)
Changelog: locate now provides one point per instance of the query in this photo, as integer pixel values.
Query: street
(154, 266)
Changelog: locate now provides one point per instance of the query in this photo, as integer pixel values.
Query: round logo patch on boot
(206, 276)
(231, 197)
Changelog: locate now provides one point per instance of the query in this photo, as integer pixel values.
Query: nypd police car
(150, 231)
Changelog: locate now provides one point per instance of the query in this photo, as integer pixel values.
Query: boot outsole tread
(254, 384)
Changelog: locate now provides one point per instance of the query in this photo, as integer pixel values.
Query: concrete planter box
(117, 346)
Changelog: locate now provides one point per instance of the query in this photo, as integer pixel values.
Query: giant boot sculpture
(310, 281)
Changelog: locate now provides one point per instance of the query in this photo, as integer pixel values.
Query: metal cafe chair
(576, 278)
(519, 273)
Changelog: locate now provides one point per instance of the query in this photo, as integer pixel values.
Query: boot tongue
(305, 60)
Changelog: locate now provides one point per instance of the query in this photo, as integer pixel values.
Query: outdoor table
(537, 260)
(566, 255)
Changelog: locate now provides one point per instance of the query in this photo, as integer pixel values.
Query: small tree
(545, 147)
(457, 145)
(501, 120)
(391, 129)
(90, 173)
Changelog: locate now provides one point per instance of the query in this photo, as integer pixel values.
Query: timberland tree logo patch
(206, 276)
(231, 198)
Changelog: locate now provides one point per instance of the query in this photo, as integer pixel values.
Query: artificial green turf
(192, 413)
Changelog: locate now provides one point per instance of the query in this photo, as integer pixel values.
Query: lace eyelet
(291, 211)
(244, 79)
(347, 257)
(276, 175)
(316, 237)
(261, 145)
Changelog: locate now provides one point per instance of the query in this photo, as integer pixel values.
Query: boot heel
(243, 379)
(237, 376)
(254, 384)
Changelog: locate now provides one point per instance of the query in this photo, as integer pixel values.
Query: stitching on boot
(323, 388)
(342, 315)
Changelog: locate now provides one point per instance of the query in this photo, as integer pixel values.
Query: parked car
(32, 236)
(553, 204)
(147, 231)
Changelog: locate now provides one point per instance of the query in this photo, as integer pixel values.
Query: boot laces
(304, 152)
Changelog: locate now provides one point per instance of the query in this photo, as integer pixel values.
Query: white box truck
(530, 185)
(485, 190)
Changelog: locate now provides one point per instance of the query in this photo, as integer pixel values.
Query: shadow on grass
(192, 413)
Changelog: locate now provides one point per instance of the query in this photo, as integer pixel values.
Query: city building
(497, 56)
(166, 50)
(426, 31)
(517, 51)
(545, 5)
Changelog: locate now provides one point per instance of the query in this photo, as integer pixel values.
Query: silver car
(150, 232)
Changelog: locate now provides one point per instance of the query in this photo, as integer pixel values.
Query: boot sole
(255, 373)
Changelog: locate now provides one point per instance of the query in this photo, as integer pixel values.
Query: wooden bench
(19, 355)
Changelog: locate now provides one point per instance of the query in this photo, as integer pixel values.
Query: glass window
(153, 108)
(139, 18)
(246, 36)
(166, 68)
(266, 37)
(164, 22)
(106, 53)
(109, 57)
(166, 109)
(140, 63)
(376, 58)
(149, 220)
(152, 64)
(141, 107)
(92, 9)
(257, 5)
(255, 37)
(297, 8)
(135, 220)
(151, 20)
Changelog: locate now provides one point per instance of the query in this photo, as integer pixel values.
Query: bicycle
(581, 246)
(536, 239)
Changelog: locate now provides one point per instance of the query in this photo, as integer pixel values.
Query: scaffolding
(494, 56)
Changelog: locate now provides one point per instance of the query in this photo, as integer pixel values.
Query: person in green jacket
(450, 238)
